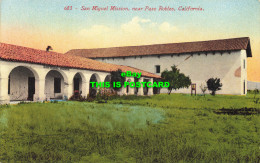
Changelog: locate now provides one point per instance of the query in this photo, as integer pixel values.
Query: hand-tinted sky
(35, 23)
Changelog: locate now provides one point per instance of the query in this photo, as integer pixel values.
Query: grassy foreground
(160, 128)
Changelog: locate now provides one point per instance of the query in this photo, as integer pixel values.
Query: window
(158, 69)
(57, 85)
(244, 64)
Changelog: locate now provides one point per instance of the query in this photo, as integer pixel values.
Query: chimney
(48, 48)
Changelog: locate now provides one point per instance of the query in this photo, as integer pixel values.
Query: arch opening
(156, 90)
(136, 88)
(128, 87)
(77, 83)
(54, 85)
(93, 90)
(145, 89)
(21, 84)
(108, 78)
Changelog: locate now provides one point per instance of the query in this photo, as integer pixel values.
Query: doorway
(76, 84)
(31, 88)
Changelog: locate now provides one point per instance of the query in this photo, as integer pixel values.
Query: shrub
(77, 97)
(214, 85)
(104, 94)
(90, 98)
(256, 100)
(54, 102)
(203, 89)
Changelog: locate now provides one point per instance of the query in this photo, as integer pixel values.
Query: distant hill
(253, 85)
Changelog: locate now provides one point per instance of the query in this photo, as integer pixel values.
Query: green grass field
(160, 128)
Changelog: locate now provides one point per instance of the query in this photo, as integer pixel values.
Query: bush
(203, 89)
(104, 94)
(77, 97)
(256, 100)
(214, 85)
(90, 98)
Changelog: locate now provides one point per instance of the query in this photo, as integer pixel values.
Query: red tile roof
(173, 48)
(15, 53)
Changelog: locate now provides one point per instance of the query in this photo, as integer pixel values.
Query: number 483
(68, 8)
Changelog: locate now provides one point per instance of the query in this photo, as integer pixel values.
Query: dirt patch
(242, 111)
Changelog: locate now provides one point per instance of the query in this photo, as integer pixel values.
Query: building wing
(232, 44)
(16, 53)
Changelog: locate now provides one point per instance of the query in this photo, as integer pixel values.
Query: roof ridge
(16, 53)
(29, 48)
(230, 44)
(160, 44)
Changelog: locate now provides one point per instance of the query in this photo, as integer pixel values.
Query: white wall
(253, 85)
(200, 67)
(243, 71)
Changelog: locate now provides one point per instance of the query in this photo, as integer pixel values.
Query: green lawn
(161, 128)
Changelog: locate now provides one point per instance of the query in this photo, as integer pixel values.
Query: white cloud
(95, 30)
(134, 26)
(153, 24)
(134, 32)
(167, 27)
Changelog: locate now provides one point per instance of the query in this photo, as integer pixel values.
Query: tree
(203, 89)
(116, 77)
(214, 85)
(176, 79)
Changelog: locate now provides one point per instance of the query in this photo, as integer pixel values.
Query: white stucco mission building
(225, 59)
(37, 75)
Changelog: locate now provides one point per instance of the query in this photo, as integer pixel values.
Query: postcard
(129, 81)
